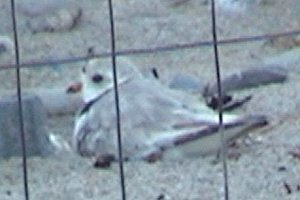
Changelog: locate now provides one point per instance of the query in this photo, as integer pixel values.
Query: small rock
(295, 152)
(35, 117)
(6, 44)
(187, 82)
(163, 197)
(152, 73)
(61, 20)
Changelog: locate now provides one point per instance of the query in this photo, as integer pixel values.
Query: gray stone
(35, 117)
(187, 82)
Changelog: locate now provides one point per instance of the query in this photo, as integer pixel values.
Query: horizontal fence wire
(153, 50)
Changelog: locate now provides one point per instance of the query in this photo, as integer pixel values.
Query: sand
(264, 170)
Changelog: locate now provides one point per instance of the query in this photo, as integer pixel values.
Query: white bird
(156, 121)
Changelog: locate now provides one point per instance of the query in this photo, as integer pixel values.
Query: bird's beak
(74, 88)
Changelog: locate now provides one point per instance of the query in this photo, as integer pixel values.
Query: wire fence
(154, 50)
(113, 54)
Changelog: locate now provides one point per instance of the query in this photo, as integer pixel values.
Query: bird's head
(97, 76)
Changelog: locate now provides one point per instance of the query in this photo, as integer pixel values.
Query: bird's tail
(206, 138)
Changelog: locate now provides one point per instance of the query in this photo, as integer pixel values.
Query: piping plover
(156, 121)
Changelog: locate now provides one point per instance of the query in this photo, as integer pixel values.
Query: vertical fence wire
(20, 106)
(117, 104)
(220, 100)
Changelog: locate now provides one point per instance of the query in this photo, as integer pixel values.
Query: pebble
(49, 15)
(6, 44)
(61, 20)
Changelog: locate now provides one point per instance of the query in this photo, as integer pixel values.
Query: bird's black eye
(83, 70)
(97, 78)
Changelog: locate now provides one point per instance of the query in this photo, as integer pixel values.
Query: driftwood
(248, 78)
(56, 101)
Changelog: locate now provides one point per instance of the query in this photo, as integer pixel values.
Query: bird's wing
(81, 130)
(205, 136)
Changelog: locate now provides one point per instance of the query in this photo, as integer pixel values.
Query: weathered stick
(252, 77)
(56, 101)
